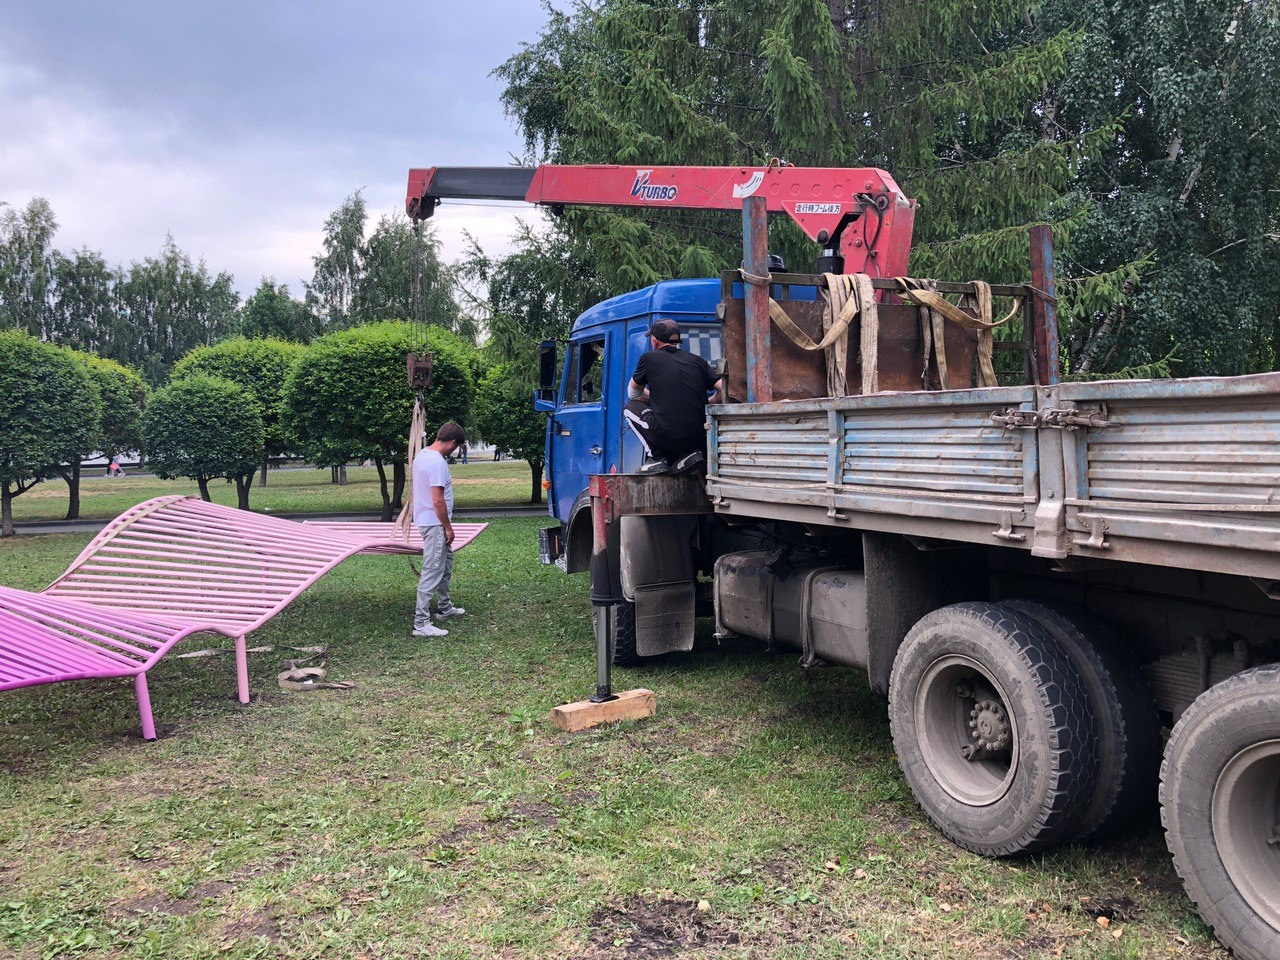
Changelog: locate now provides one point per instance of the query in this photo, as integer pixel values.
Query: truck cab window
(703, 340)
(584, 373)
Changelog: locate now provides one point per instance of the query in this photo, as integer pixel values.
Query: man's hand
(448, 533)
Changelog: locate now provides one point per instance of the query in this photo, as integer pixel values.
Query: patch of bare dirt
(639, 929)
(580, 798)
(260, 924)
(538, 814)
(1115, 909)
(460, 833)
(464, 837)
(162, 903)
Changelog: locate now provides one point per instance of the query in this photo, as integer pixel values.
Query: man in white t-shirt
(433, 513)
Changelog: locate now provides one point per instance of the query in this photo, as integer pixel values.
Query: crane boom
(823, 201)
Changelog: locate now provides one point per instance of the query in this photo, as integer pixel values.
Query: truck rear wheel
(992, 728)
(1128, 723)
(1220, 804)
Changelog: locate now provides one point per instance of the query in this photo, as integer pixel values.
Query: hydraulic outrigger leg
(604, 706)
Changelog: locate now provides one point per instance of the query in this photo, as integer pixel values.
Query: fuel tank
(809, 606)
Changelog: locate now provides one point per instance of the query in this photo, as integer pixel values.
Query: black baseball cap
(665, 331)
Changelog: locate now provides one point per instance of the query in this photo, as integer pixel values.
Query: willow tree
(995, 116)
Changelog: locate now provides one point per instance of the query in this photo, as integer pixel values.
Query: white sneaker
(430, 630)
(450, 613)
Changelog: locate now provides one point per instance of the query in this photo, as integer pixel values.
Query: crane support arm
(823, 201)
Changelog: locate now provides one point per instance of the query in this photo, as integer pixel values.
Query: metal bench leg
(144, 707)
(242, 670)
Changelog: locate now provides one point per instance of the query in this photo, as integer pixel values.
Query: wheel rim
(968, 736)
(1246, 826)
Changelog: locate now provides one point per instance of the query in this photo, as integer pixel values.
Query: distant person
(464, 452)
(667, 402)
(497, 453)
(114, 469)
(433, 513)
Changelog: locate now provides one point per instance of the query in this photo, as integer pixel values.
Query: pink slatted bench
(166, 569)
(382, 537)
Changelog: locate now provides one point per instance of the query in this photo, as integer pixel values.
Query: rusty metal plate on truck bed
(799, 374)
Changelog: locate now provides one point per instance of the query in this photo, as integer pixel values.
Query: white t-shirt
(430, 470)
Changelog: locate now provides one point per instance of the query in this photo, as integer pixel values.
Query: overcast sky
(238, 126)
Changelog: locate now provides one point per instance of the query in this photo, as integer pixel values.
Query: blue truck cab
(586, 433)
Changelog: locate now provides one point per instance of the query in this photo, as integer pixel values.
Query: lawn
(434, 810)
(288, 490)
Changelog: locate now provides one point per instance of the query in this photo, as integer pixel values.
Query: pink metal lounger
(380, 537)
(166, 569)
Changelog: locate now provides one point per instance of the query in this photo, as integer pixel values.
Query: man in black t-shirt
(667, 402)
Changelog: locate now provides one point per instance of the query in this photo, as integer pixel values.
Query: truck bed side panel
(1184, 473)
(1175, 473)
(932, 463)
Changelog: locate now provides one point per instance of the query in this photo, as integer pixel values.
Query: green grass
(434, 811)
(295, 490)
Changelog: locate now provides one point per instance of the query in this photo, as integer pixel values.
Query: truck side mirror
(546, 366)
(544, 398)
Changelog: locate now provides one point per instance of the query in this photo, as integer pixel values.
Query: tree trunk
(6, 512)
(536, 470)
(382, 483)
(397, 488)
(342, 475)
(263, 481)
(203, 484)
(333, 474)
(244, 483)
(73, 491)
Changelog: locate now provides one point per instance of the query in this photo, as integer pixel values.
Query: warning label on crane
(818, 207)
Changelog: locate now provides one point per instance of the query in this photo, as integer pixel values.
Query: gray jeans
(437, 571)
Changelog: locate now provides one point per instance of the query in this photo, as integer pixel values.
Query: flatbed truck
(1039, 578)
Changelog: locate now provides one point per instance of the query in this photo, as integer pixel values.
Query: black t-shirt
(678, 383)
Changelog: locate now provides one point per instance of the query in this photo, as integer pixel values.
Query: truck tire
(992, 728)
(624, 634)
(1220, 804)
(1125, 712)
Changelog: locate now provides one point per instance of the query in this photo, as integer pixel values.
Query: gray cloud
(237, 128)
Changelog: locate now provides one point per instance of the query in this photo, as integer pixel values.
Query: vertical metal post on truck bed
(755, 260)
(1044, 309)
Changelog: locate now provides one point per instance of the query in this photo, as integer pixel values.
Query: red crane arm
(824, 201)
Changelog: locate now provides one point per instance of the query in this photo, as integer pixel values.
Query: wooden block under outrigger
(628, 705)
